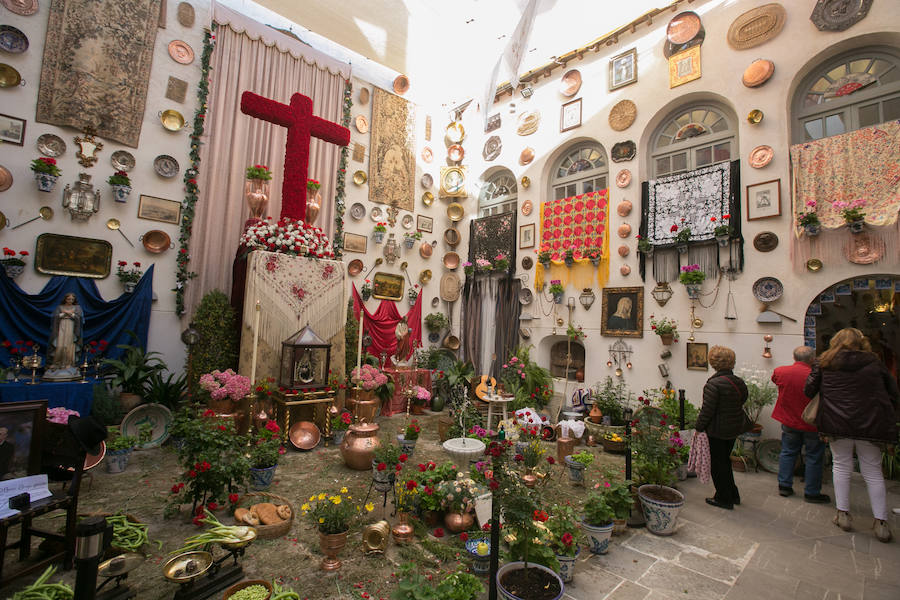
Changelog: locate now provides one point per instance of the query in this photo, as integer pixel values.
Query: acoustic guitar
(482, 388)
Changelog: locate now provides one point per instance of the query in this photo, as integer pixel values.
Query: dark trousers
(720, 469)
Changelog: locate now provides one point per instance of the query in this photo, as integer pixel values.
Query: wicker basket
(267, 532)
(613, 447)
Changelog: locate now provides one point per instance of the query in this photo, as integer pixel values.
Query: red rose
(273, 426)
(212, 506)
(551, 460)
(175, 489)
(567, 539)
(398, 466)
(192, 473)
(411, 484)
(438, 533)
(464, 537)
(222, 428)
(137, 264)
(209, 413)
(404, 458)
(381, 466)
(233, 498)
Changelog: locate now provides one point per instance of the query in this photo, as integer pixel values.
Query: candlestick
(255, 345)
(362, 317)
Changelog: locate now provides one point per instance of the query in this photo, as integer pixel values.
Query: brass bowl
(425, 276)
(359, 177)
(814, 264)
(304, 435)
(186, 566)
(455, 211)
(9, 77)
(172, 120)
(156, 241)
(427, 198)
(251, 535)
(755, 116)
(455, 132)
(245, 584)
(451, 342)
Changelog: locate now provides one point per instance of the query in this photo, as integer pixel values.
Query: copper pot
(457, 522)
(256, 192)
(529, 478)
(313, 205)
(363, 404)
(403, 532)
(358, 447)
(331, 544)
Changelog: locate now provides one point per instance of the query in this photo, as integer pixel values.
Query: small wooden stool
(501, 401)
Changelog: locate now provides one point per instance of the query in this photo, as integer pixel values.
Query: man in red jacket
(794, 431)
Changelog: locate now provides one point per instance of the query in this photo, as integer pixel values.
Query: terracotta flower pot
(331, 545)
(667, 338)
(457, 522)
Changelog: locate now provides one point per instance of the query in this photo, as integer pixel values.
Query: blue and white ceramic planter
(661, 516)
(261, 479)
(407, 446)
(567, 566)
(856, 226)
(121, 192)
(576, 471)
(45, 181)
(378, 236)
(338, 436)
(598, 536)
(13, 271)
(693, 290)
(117, 460)
(481, 563)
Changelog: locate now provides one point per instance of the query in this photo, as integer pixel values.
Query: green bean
(252, 592)
(41, 590)
(127, 535)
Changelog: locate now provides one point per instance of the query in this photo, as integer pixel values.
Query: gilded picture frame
(697, 356)
(453, 182)
(684, 67)
(387, 286)
(623, 312)
(159, 209)
(57, 254)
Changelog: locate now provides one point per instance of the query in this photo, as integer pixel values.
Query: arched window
(582, 169)
(692, 137)
(850, 91)
(498, 194)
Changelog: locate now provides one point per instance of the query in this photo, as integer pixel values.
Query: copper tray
(759, 72)
(570, 83)
(304, 435)
(683, 27)
(623, 178)
(362, 124)
(455, 153)
(355, 267)
(425, 250)
(451, 260)
(761, 156)
(526, 156)
(181, 52)
(527, 207)
(21, 7)
(156, 241)
(401, 84)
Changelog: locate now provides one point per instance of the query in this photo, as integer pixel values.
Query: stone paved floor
(769, 548)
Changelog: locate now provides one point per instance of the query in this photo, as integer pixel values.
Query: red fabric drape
(381, 325)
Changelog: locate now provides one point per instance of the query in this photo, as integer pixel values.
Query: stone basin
(464, 450)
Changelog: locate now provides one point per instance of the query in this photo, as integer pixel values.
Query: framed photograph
(810, 342)
(424, 224)
(815, 309)
(623, 312)
(12, 130)
(21, 428)
(697, 356)
(526, 236)
(884, 283)
(861, 284)
(809, 332)
(159, 209)
(809, 321)
(826, 297)
(763, 200)
(684, 66)
(570, 115)
(69, 255)
(843, 289)
(355, 243)
(623, 69)
(387, 286)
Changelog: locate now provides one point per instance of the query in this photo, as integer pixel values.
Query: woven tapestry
(578, 223)
(96, 66)
(490, 236)
(392, 165)
(689, 200)
(860, 165)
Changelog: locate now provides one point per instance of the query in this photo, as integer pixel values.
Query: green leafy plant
(684, 234)
(341, 422)
(459, 494)
(265, 446)
(597, 511)
(556, 288)
(119, 178)
(761, 392)
(116, 441)
(312, 185)
(584, 457)
(387, 453)
(261, 172)
(664, 326)
(169, 391)
(105, 408)
(351, 338)
(380, 227)
(145, 433)
(215, 321)
(333, 513)
(412, 430)
(415, 235)
(644, 244)
(427, 477)
(565, 533)
(666, 399)
(544, 256)
(655, 456)
(435, 322)
(530, 383)
(809, 218)
(45, 165)
(691, 274)
(611, 397)
(132, 371)
(575, 333)
(724, 227)
(533, 453)
(413, 585)
(617, 495)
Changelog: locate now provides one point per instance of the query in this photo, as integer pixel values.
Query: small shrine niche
(304, 361)
(558, 353)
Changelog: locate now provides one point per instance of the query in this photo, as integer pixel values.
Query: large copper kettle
(358, 447)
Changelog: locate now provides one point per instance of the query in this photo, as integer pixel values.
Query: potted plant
(339, 425)
(121, 186)
(655, 461)
(45, 173)
(577, 463)
(692, 278)
(410, 239)
(618, 497)
(644, 246)
(13, 265)
(333, 515)
(222, 390)
(118, 450)
(129, 278)
(408, 438)
(458, 500)
(739, 457)
(809, 220)
(575, 334)
(435, 323)
(722, 231)
(557, 290)
(451, 387)
(530, 458)
(265, 449)
(366, 290)
(682, 236)
(530, 383)
(853, 214)
(569, 258)
(256, 190)
(387, 460)
(761, 392)
(665, 328)
(597, 522)
(468, 268)
(378, 232)
(501, 263)
(168, 391)
(483, 265)
(131, 373)
(413, 294)
(565, 537)
(544, 256)
(595, 255)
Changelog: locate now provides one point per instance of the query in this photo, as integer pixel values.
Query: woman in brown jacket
(857, 403)
(722, 417)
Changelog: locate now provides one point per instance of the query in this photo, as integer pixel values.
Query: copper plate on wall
(304, 435)
(527, 207)
(623, 178)
(6, 179)
(455, 153)
(25, 8)
(156, 241)
(425, 276)
(355, 267)
(570, 83)
(761, 156)
(526, 156)
(451, 260)
(427, 154)
(362, 124)
(401, 84)
(683, 27)
(181, 52)
(759, 72)
(425, 250)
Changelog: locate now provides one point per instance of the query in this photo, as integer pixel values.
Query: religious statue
(404, 341)
(65, 345)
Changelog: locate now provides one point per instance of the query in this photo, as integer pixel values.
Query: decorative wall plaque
(838, 15)
(176, 89)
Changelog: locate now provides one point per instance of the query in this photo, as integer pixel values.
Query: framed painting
(424, 224)
(159, 209)
(843, 289)
(623, 69)
(387, 286)
(697, 356)
(12, 130)
(861, 283)
(570, 115)
(69, 255)
(21, 428)
(623, 312)
(826, 297)
(354, 242)
(526, 236)
(763, 200)
(684, 67)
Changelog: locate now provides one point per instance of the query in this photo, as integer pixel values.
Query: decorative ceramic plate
(357, 211)
(451, 260)
(185, 14)
(492, 148)
(767, 289)
(6, 180)
(525, 296)
(623, 151)
(526, 156)
(165, 166)
(156, 415)
(814, 264)
(761, 156)
(755, 116)
(455, 153)
(181, 52)
(12, 40)
(362, 124)
(528, 122)
(622, 115)
(527, 263)
(122, 160)
(407, 221)
(427, 154)
(452, 237)
(768, 453)
(359, 177)
(376, 214)
(25, 8)
(623, 178)
(765, 241)
(425, 276)
(759, 72)
(570, 83)
(756, 26)
(355, 267)
(455, 132)
(427, 198)
(427, 181)
(9, 77)
(49, 144)
(683, 27)
(156, 241)
(304, 435)
(455, 211)
(527, 207)
(92, 460)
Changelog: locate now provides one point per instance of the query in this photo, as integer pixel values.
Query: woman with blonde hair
(857, 410)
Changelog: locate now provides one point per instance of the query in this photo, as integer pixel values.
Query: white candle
(362, 317)
(255, 345)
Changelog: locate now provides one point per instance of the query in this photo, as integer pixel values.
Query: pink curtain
(250, 56)
(380, 325)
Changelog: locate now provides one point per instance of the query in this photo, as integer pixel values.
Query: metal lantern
(587, 298)
(661, 293)
(304, 361)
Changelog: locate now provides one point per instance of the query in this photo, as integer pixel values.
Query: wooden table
(500, 402)
(320, 401)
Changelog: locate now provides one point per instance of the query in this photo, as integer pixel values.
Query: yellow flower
(322, 496)
(321, 520)
(312, 498)
(370, 507)
(305, 506)
(343, 490)
(336, 499)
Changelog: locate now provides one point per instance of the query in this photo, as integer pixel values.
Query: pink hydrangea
(225, 384)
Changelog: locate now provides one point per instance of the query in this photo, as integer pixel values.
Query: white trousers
(869, 466)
